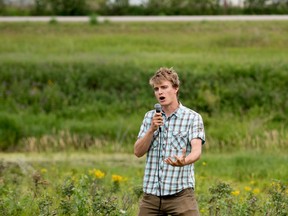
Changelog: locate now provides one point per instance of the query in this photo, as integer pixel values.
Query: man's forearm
(142, 145)
(196, 152)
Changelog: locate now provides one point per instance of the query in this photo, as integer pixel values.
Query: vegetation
(75, 86)
(69, 92)
(98, 184)
(145, 7)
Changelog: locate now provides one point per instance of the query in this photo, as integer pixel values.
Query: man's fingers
(184, 152)
(168, 161)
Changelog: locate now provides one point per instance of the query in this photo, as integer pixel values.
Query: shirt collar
(178, 111)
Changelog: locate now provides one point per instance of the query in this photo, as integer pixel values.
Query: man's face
(165, 93)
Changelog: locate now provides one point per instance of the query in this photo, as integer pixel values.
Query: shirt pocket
(179, 140)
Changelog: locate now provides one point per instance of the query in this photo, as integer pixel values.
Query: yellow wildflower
(252, 182)
(43, 170)
(235, 193)
(74, 178)
(256, 191)
(117, 178)
(98, 174)
(247, 188)
(204, 163)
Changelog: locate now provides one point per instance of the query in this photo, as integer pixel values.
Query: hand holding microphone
(157, 120)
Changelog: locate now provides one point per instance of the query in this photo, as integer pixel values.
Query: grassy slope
(146, 43)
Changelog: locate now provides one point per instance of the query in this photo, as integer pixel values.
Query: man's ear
(176, 89)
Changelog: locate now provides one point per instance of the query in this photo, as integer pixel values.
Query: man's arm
(196, 152)
(142, 145)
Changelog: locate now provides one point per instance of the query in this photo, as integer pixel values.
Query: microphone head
(157, 107)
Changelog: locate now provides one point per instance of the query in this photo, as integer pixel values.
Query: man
(172, 139)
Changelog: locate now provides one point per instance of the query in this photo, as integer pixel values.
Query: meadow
(73, 96)
(81, 183)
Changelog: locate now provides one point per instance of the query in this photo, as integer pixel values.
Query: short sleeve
(197, 129)
(145, 125)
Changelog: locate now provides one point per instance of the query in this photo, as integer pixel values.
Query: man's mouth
(162, 98)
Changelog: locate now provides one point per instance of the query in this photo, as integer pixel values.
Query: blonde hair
(165, 74)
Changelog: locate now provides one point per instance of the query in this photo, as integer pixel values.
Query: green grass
(146, 43)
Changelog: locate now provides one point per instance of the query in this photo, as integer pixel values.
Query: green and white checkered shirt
(176, 133)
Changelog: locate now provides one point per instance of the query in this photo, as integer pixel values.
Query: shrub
(11, 132)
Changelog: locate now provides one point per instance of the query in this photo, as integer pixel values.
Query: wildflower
(43, 170)
(117, 178)
(252, 182)
(74, 178)
(276, 185)
(202, 210)
(204, 163)
(247, 188)
(98, 174)
(235, 193)
(256, 191)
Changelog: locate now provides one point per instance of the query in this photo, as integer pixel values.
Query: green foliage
(53, 21)
(93, 19)
(54, 87)
(97, 98)
(150, 7)
(67, 184)
(277, 204)
(60, 7)
(11, 131)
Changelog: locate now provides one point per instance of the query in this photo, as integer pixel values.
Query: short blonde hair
(163, 74)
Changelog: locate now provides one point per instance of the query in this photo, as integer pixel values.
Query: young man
(172, 139)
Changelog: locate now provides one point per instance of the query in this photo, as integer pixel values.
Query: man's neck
(171, 108)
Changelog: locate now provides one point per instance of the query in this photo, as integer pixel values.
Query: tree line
(145, 7)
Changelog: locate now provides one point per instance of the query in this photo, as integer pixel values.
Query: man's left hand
(179, 160)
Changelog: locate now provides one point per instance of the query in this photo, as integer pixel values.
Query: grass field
(146, 44)
(73, 96)
(57, 81)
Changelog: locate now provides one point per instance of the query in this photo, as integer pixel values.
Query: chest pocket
(179, 140)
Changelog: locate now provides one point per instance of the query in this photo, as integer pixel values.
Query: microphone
(158, 110)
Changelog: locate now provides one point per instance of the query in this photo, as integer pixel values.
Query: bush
(11, 132)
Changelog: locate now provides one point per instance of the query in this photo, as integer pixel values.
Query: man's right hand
(157, 121)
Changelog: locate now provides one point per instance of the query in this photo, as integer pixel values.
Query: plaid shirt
(176, 133)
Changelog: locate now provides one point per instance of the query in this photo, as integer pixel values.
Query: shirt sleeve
(145, 125)
(197, 129)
